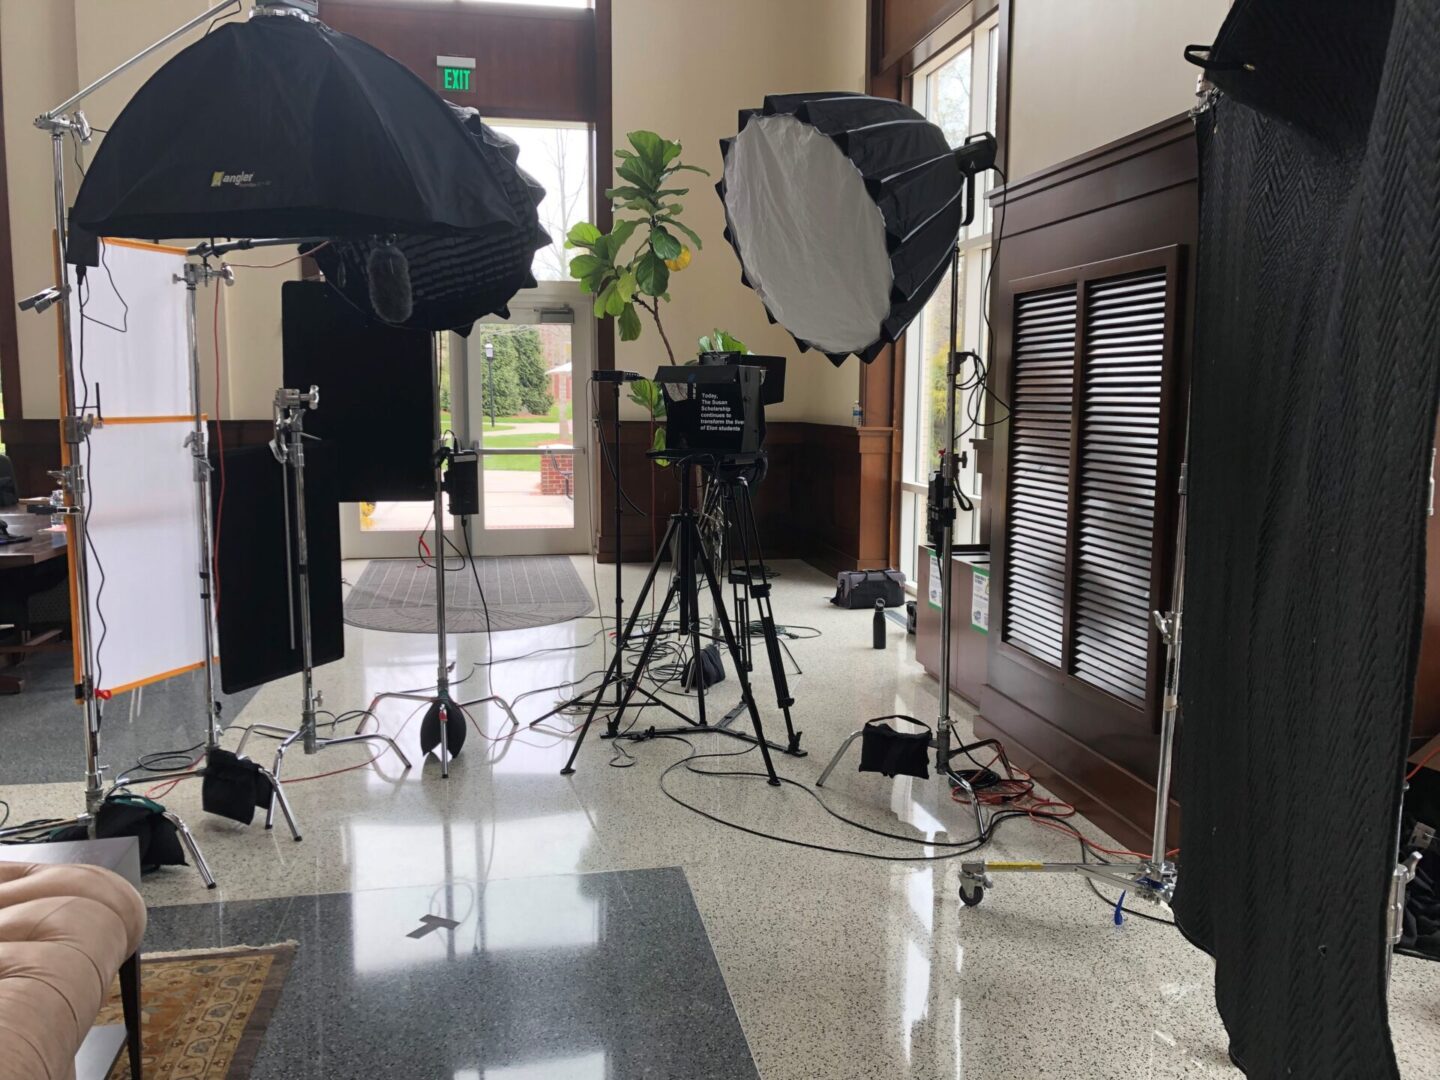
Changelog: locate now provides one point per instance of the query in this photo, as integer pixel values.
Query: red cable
(1423, 762)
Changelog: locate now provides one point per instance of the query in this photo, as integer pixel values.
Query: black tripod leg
(652, 638)
(739, 578)
(761, 592)
(613, 673)
(746, 694)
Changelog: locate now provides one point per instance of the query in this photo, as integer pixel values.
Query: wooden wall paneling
(533, 63)
(1427, 685)
(1134, 195)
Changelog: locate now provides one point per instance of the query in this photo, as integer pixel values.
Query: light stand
(75, 429)
(194, 275)
(597, 696)
(444, 710)
(949, 480)
(288, 446)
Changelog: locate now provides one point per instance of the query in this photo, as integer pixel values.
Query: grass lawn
(519, 462)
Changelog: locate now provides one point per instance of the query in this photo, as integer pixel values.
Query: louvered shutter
(1122, 365)
(1037, 535)
(1090, 363)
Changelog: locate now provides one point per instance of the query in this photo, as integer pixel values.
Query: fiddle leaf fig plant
(720, 341)
(626, 279)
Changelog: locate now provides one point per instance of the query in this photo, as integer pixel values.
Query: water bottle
(857, 414)
(878, 625)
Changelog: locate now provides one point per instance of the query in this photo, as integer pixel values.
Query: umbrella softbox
(844, 211)
(279, 127)
(454, 280)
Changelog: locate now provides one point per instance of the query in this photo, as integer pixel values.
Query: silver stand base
(277, 792)
(87, 821)
(431, 699)
(1146, 880)
(288, 738)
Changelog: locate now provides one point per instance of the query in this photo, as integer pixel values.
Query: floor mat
(203, 1013)
(534, 590)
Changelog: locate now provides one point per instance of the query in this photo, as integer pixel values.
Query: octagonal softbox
(843, 210)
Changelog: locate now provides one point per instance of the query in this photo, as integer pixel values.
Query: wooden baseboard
(1117, 800)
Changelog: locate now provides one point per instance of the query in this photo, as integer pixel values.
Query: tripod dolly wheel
(971, 894)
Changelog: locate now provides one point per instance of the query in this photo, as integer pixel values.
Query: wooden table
(44, 544)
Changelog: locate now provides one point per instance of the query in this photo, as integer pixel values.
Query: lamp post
(490, 378)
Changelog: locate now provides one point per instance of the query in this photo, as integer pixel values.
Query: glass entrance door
(526, 410)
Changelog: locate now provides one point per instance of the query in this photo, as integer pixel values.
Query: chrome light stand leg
(288, 446)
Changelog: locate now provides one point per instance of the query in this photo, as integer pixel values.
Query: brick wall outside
(555, 472)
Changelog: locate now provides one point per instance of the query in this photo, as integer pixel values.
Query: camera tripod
(683, 535)
(728, 499)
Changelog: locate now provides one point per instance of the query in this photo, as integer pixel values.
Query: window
(956, 91)
(558, 157)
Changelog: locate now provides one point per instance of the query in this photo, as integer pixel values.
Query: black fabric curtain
(1313, 413)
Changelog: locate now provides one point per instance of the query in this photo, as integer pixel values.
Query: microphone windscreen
(388, 274)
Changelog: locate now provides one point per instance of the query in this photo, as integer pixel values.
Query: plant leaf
(602, 301)
(623, 193)
(626, 286)
(582, 266)
(637, 172)
(652, 276)
(694, 237)
(629, 323)
(650, 147)
(686, 168)
(582, 235)
(614, 303)
(664, 245)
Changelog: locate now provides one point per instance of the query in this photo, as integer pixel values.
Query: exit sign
(455, 72)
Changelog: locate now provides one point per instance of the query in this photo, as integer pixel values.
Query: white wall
(684, 69)
(37, 55)
(1087, 72)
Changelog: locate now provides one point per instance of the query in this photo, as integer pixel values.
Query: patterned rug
(521, 592)
(204, 1013)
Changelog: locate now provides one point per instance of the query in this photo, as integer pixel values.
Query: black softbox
(455, 280)
(280, 126)
(844, 211)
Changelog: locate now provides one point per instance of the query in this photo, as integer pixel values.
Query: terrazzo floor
(837, 966)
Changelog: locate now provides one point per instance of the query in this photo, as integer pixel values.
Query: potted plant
(628, 269)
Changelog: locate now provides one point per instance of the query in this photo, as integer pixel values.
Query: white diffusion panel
(135, 346)
(143, 526)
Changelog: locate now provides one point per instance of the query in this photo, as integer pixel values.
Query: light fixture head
(844, 210)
